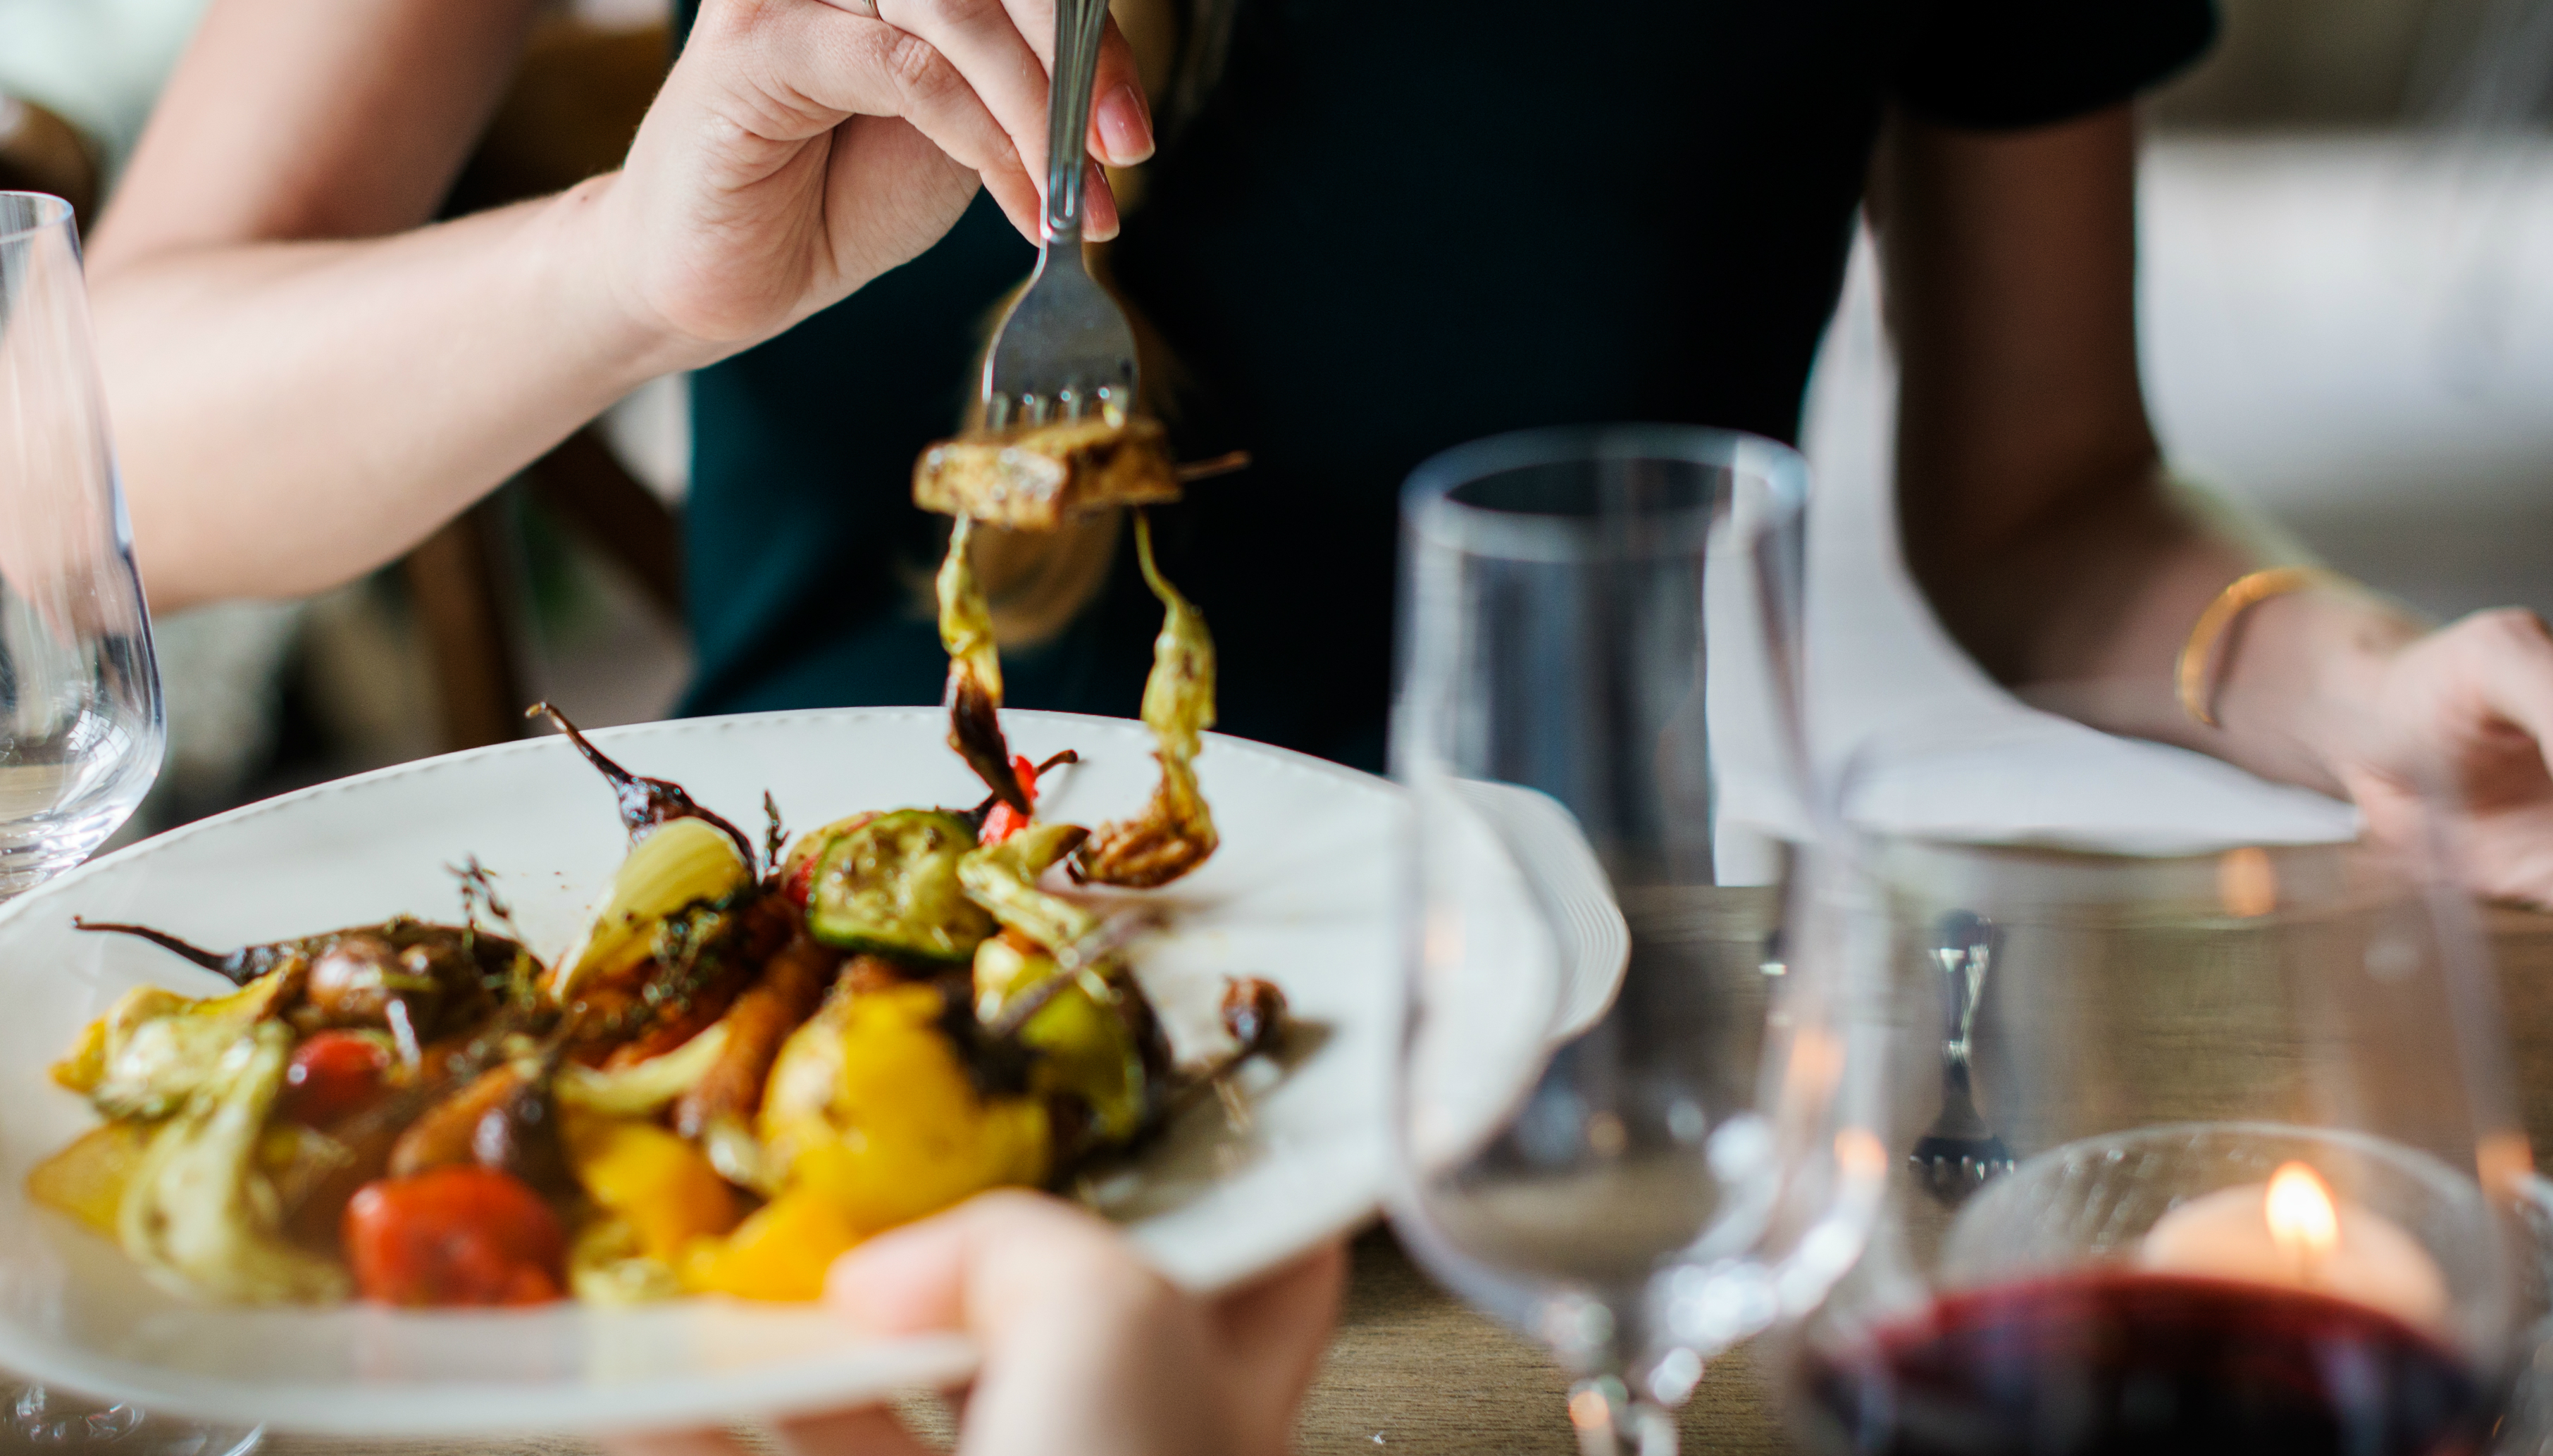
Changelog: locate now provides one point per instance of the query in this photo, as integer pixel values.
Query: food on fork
(747, 1064)
(1175, 832)
(1030, 478)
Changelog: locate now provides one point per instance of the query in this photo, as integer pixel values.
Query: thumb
(979, 1267)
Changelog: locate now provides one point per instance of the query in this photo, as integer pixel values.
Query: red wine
(2104, 1364)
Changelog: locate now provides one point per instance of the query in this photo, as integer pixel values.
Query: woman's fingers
(1005, 53)
(790, 71)
(1273, 1333)
(962, 72)
(1121, 122)
(2515, 652)
(975, 1266)
(877, 156)
(979, 39)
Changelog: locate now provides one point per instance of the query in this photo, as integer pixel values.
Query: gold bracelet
(2194, 672)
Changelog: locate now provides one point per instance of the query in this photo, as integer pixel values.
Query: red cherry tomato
(1003, 821)
(332, 1075)
(454, 1235)
(802, 880)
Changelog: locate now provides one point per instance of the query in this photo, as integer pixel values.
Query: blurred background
(2348, 312)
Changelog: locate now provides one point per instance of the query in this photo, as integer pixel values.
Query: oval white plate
(1300, 893)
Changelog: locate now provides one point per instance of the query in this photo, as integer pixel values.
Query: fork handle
(1079, 25)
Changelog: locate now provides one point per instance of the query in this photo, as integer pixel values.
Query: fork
(1064, 348)
(1961, 1152)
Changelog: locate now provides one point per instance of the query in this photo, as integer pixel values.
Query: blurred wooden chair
(42, 153)
(570, 113)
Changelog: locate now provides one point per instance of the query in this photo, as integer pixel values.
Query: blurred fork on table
(1064, 349)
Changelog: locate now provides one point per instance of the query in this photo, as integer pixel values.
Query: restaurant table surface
(1411, 1369)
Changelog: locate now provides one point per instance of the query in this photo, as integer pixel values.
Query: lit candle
(2291, 1231)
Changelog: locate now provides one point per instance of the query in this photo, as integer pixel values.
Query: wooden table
(1413, 1370)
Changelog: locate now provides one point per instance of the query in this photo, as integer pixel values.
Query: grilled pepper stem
(241, 966)
(1174, 834)
(974, 672)
(644, 802)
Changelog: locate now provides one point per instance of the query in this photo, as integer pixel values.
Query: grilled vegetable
(454, 1235)
(974, 697)
(154, 1049)
(1031, 478)
(891, 886)
(798, 871)
(607, 1265)
(660, 1186)
(1253, 1011)
(88, 1179)
(333, 1075)
(642, 1089)
(410, 977)
(1000, 820)
(701, 959)
(1003, 878)
(506, 1120)
(1174, 834)
(780, 1252)
(684, 863)
(645, 804)
(1083, 1046)
(198, 1215)
(719, 1108)
(872, 1106)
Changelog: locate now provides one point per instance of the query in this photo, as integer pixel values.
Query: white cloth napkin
(1927, 743)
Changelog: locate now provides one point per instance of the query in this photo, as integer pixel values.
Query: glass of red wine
(2215, 1153)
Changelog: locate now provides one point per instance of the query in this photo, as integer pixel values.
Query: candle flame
(2302, 1219)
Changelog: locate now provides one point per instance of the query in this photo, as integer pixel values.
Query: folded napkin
(1921, 740)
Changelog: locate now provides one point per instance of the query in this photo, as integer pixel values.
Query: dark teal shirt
(1395, 225)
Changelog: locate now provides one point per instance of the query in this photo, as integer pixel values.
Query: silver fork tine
(1065, 346)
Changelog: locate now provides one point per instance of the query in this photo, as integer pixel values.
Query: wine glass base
(34, 1418)
(37, 848)
(1611, 1422)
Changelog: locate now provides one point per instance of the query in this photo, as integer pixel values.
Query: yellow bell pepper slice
(88, 1180)
(781, 1252)
(869, 1105)
(659, 1185)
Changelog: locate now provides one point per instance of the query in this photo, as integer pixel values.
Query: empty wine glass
(2260, 1161)
(1596, 651)
(80, 726)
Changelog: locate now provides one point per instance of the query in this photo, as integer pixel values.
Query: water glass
(80, 725)
(1598, 647)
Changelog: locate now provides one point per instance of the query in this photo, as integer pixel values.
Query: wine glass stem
(1611, 1422)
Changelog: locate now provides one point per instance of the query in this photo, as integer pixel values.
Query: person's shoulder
(2015, 63)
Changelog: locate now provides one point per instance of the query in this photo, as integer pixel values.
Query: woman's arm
(306, 381)
(2039, 520)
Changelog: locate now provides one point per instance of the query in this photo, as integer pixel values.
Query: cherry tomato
(1005, 820)
(331, 1074)
(454, 1235)
(801, 881)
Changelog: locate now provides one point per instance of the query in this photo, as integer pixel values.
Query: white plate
(1301, 893)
